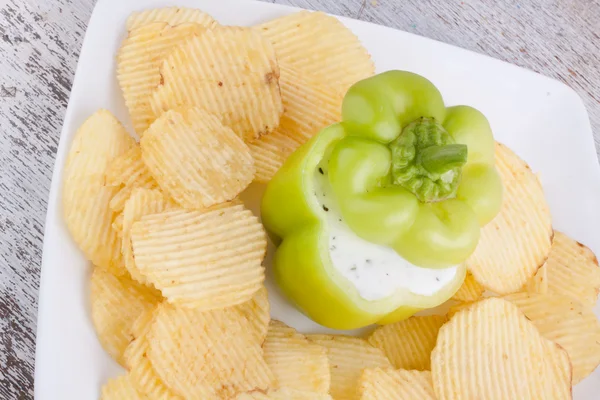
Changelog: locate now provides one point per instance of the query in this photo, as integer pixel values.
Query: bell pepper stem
(440, 159)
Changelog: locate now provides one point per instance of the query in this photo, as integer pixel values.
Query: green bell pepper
(406, 173)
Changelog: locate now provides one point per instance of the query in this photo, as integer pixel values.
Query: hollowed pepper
(406, 172)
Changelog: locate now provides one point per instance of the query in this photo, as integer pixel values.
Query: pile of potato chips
(177, 292)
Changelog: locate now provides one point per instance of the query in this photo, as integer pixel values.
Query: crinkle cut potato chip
(141, 372)
(470, 290)
(572, 270)
(270, 152)
(516, 243)
(85, 197)
(230, 72)
(142, 202)
(257, 311)
(206, 354)
(138, 65)
(319, 45)
(560, 371)
(487, 350)
(296, 363)
(408, 344)
(564, 321)
(170, 15)
(116, 304)
(204, 259)
(120, 388)
(348, 356)
(195, 159)
(539, 282)
(128, 172)
(401, 384)
(309, 107)
(282, 394)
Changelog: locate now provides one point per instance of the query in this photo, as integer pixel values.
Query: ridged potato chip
(319, 45)
(128, 172)
(309, 107)
(85, 197)
(170, 15)
(489, 350)
(296, 363)
(401, 384)
(257, 311)
(116, 304)
(470, 290)
(120, 388)
(117, 224)
(539, 282)
(282, 394)
(206, 355)
(270, 152)
(230, 72)
(408, 344)
(138, 65)
(142, 202)
(141, 372)
(205, 259)
(516, 243)
(348, 356)
(572, 270)
(560, 371)
(195, 159)
(564, 321)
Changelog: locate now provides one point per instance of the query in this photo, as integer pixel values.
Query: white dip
(376, 271)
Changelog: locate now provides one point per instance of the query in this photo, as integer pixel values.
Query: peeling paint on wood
(39, 46)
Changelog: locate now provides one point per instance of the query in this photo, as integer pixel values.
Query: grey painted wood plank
(39, 47)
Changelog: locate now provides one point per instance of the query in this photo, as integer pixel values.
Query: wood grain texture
(39, 47)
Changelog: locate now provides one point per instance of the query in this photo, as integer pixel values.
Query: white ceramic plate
(543, 120)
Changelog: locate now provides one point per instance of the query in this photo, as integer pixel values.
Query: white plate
(543, 120)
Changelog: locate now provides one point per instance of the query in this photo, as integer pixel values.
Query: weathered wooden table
(39, 47)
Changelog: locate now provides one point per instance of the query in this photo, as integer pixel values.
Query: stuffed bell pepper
(375, 215)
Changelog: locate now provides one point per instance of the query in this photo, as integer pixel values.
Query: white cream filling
(376, 271)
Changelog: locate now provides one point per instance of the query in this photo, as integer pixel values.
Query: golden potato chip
(258, 312)
(560, 371)
(401, 384)
(296, 363)
(270, 152)
(539, 282)
(116, 304)
(309, 107)
(319, 45)
(195, 159)
(120, 388)
(490, 350)
(142, 202)
(85, 197)
(230, 72)
(170, 15)
(515, 244)
(206, 259)
(408, 344)
(206, 354)
(128, 172)
(348, 356)
(470, 290)
(572, 270)
(282, 394)
(564, 321)
(138, 65)
(117, 224)
(141, 372)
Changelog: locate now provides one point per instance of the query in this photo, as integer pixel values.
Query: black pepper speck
(325, 208)
(321, 171)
